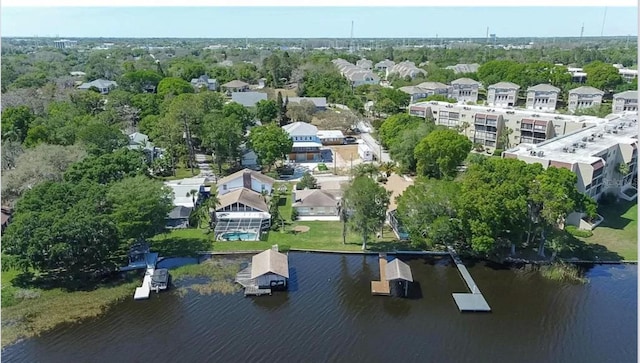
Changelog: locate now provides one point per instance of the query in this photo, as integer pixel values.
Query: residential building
(464, 68)
(248, 99)
(319, 102)
(357, 76)
(241, 214)
(235, 86)
(77, 73)
(628, 74)
(405, 69)
(315, 204)
(625, 101)
(584, 97)
(248, 179)
(204, 82)
(485, 125)
(465, 90)
(577, 75)
(306, 143)
(65, 43)
(186, 192)
(435, 88)
(331, 137)
(382, 66)
(179, 217)
(270, 270)
(603, 156)
(502, 94)
(364, 151)
(415, 92)
(103, 85)
(364, 64)
(543, 97)
(249, 159)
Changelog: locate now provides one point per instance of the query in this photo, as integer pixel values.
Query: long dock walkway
(473, 301)
(381, 287)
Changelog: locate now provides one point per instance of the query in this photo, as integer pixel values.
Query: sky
(317, 22)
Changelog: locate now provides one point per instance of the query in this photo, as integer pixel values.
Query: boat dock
(250, 285)
(381, 287)
(473, 301)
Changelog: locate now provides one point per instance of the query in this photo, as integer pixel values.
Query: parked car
(350, 140)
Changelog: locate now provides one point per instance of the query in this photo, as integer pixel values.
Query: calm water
(329, 315)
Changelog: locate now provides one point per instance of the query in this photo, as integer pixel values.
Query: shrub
(322, 167)
(497, 152)
(574, 231)
(294, 214)
(561, 271)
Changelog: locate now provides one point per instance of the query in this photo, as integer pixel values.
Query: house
(331, 137)
(542, 97)
(140, 141)
(235, 86)
(6, 217)
(204, 82)
(584, 97)
(628, 74)
(625, 101)
(248, 99)
(186, 192)
(382, 66)
(179, 217)
(270, 269)
(357, 76)
(319, 102)
(577, 75)
(77, 73)
(502, 94)
(435, 88)
(246, 178)
(465, 90)
(241, 214)
(416, 93)
(312, 203)
(306, 143)
(364, 64)
(65, 43)
(399, 275)
(405, 69)
(103, 85)
(464, 68)
(249, 159)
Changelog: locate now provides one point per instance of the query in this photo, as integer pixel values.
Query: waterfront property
(306, 143)
(187, 192)
(584, 97)
(241, 215)
(315, 204)
(381, 287)
(246, 178)
(473, 301)
(268, 271)
(398, 274)
(543, 97)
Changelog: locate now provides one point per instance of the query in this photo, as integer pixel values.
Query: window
(224, 186)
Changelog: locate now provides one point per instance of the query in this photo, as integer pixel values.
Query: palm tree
(193, 194)
(365, 169)
(388, 168)
(210, 205)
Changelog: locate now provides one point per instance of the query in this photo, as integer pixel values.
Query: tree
(108, 168)
(63, 229)
(440, 98)
(90, 103)
(602, 76)
(307, 182)
(365, 169)
(387, 168)
(403, 152)
(266, 110)
(223, 135)
(393, 126)
(243, 114)
(600, 110)
(441, 152)
(99, 138)
(140, 81)
(184, 110)
(10, 152)
(390, 101)
(283, 113)
(173, 86)
(139, 207)
(367, 203)
(270, 143)
(16, 122)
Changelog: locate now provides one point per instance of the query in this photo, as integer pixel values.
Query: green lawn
(619, 230)
(182, 172)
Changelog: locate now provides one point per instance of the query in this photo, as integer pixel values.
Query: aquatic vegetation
(219, 275)
(561, 271)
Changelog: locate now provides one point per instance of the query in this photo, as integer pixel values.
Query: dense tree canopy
(173, 86)
(366, 203)
(602, 76)
(271, 143)
(441, 152)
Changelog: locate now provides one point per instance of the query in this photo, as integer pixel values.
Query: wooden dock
(255, 291)
(381, 287)
(250, 286)
(473, 301)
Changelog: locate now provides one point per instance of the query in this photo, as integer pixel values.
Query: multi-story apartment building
(464, 68)
(65, 43)
(382, 66)
(465, 90)
(584, 97)
(628, 74)
(625, 101)
(543, 97)
(405, 69)
(502, 94)
(357, 76)
(416, 93)
(604, 157)
(486, 125)
(364, 64)
(435, 88)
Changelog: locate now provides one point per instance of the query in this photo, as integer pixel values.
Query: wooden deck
(473, 301)
(250, 286)
(381, 287)
(255, 291)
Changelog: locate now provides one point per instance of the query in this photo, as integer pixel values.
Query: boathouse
(268, 270)
(399, 276)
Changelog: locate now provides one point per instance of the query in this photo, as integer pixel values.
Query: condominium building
(584, 97)
(464, 68)
(65, 43)
(502, 94)
(543, 97)
(465, 90)
(435, 88)
(625, 101)
(405, 69)
(357, 76)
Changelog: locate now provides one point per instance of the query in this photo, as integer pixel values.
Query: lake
(329, 315)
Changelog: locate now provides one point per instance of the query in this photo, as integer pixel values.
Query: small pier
(473, 301)
(250, 285)
(381, 287)
(268, 271)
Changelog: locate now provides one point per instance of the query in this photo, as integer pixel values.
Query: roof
(507, 85)
(468, 81)
(306, 144)
(464, 68)
(98, 83)
(586, 90)
(180, 212)
(252, 173)
(300, 129)
(245, 196)
(544, 88)
(412, 90)
(314, 198)
(235, 84)
(398, 270)
(248, 99)
(432, 85)
(138, 138)
(627, 94)
(269, 261)
(330, 134)
(318, 101)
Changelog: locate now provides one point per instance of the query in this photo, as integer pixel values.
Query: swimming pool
(239, 236)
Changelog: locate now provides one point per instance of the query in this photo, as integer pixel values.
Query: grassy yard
(182, 172)
(619, 231)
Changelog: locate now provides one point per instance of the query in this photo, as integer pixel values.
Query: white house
(186, 192)
(203, 82)
(246, 178)
(103, 85)
(465, 90)
(306, 143)
(365, 152)
(542, 97)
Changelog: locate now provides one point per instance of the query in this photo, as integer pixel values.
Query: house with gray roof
(306, 143)
(435, 88)
(382, 66)
(415, 92)
(235, 86)
(502, 94)
(542, 97)
(357, 76)
(625, 101)
(584, 97)
(248, 99)
(364, 64)
(140, 141)
(405, 69)
(103, 85)
(315, 204)
(179, 217)
(319, 102)
(464, 68)
(465, 90)
(204, 82)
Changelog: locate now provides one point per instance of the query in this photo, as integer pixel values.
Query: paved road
(382, 155)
